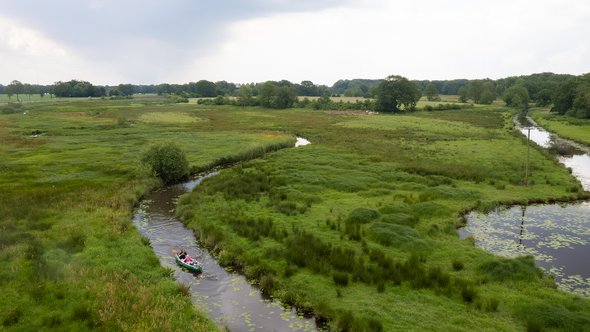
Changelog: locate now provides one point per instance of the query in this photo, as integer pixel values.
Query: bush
(167, 161)
(521, 268)
(11, 108)
(362, 216)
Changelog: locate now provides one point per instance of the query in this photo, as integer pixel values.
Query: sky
(180, 41)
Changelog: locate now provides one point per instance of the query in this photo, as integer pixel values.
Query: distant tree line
(568, 94)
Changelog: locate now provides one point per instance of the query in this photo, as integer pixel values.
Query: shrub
(362, 216)
(167, 161)
(11, 108)
(521, 268)
(398, 236)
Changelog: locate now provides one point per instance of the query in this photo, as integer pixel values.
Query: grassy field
(24, 98)
(565, 126)
(359, 227)
(70, 258)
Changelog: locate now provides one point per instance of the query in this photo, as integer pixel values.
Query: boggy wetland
(357, 231)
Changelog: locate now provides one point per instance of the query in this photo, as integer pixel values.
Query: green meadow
(566, 126)
(358, 228)
(71, 259)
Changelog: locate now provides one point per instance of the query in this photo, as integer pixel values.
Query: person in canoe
(182, 254)
(185, 260)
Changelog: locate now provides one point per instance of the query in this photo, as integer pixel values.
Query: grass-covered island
(358, 228)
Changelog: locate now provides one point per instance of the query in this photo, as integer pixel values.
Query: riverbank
(71, 259)
(360, 226)
(575, 129)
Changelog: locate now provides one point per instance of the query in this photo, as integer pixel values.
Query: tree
(431, 92)
(396, 91)
(307, 88)
(481, 91)
(15, 87)
(206, 89)
(277, 94)
(463, 97)
(245, 96)
(543, 97)
(517, 96)
(581, 107)
(564, 96)
(167, 161)
(126, 89)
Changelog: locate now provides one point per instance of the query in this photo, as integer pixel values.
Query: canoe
(193, 268)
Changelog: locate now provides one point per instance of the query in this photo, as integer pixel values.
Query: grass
(565, 126)
(358, 227)
(71, 259)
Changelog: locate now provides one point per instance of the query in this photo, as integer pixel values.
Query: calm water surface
(558, 236)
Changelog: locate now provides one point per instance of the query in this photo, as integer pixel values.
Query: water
(225, 296)
(572, 155)
(558, 236)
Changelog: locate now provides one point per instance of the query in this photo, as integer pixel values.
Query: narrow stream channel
(557, 235)
(225, 296)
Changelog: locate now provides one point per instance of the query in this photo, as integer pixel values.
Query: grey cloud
(142, 39)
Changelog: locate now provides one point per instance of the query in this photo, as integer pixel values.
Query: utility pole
(526, 167)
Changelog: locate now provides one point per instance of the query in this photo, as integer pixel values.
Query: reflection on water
(227, 297)
(572, 155)
(558, 236)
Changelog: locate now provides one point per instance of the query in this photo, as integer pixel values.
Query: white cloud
(26, 41)
(30, 56)
(419, 39)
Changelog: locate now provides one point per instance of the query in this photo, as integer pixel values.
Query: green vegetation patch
(395, 235)
(521, 268)
(169, 118)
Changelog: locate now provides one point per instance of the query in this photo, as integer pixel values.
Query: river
(557, 235)
(225, 296)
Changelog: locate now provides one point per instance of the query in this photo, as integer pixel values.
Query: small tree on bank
(167, 161)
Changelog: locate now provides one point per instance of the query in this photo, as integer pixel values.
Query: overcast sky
(179, 41)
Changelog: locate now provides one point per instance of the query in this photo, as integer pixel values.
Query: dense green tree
(431, 92)
(206, 88)
(397, 91)
(564, 96)
(543, 97)
(245, 96)
(516, 96)
(126, 89)
(167, 161)
(307, 88)
(277, 94)
(581, 107)
(463, 97)
(225, 88)
(481, 91)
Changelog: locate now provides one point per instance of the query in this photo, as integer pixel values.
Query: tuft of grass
(521, 268)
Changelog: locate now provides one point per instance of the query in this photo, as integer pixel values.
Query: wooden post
(526, 168)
